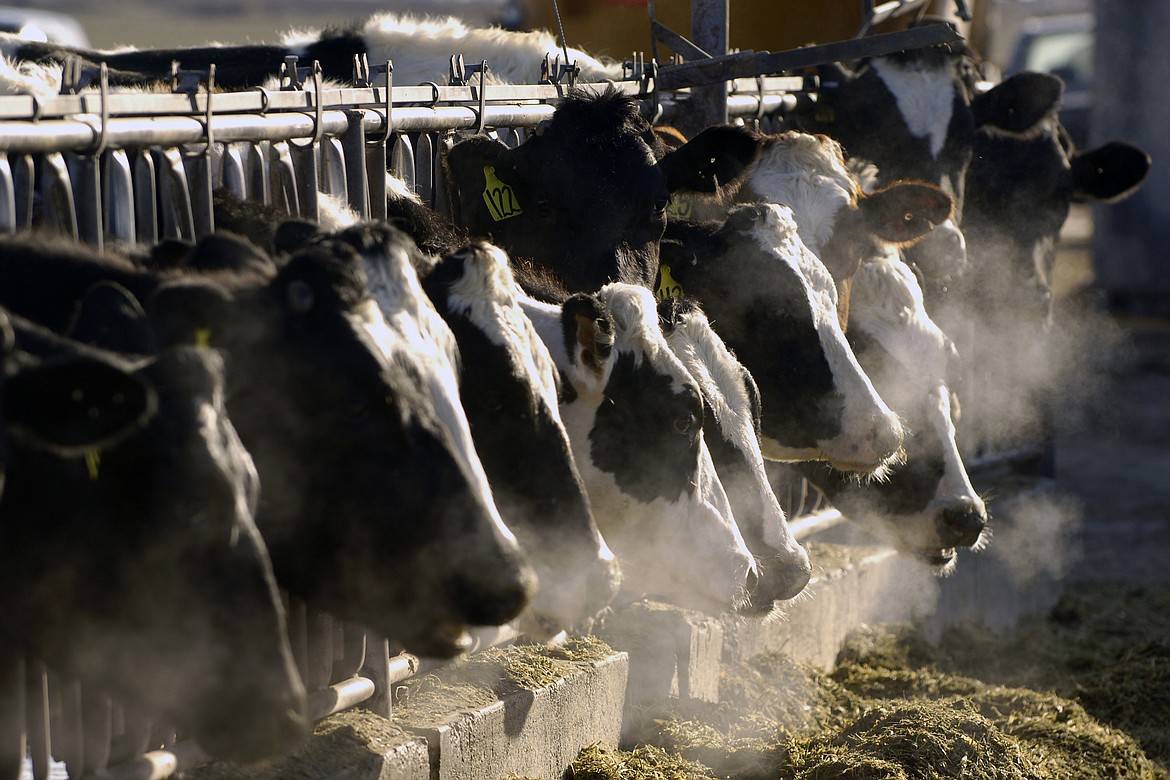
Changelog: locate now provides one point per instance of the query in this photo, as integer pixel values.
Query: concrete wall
(1132, 103)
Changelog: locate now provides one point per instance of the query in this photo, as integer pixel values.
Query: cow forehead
(925, 95)
(638, 332)
(776, 234)
(807, 173)
(487, 294)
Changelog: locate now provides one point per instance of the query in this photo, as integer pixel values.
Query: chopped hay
(481, 679)
(642, 763)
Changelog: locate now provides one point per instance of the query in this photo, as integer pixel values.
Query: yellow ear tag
(680, 206)
(203, 337)
(667, 286)
(93, 460)
(499, 197)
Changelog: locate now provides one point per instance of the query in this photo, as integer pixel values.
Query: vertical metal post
(709, 30)
(353, 145)
(12, 729)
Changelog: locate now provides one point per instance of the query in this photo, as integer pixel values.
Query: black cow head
(584, 196)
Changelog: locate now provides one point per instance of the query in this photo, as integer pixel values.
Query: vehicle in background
(1063, 46)
(45, 26)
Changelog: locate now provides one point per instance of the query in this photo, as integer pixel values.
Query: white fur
(421, 48)
(720, 377)
(925, 98)
(688, 549)
(868, 423)
(546, 319)
(888, 306)
(28, 78)
(806, 173)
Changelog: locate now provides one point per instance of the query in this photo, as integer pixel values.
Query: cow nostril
(962, 525)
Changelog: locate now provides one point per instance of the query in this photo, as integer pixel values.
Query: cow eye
(300, 296)
(661, 202)
(685, 423)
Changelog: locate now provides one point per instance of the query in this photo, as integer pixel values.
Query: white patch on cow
(688, 549)
(546, 320)
(887, 305)
(868, 426)
(487, 294)
(807, 174)
(334, 214)
(421, 49)
(720, 377)
(405, 323)
(398, 189)
(21, 77)
(925, 97)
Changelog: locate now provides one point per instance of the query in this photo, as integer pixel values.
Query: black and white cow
(635, 419)
(909, 114)
(1024, 175)
(776, 306)
(367, 510)
(420, 48)
(925, 506)
(498, 395)
(585, 196)
(129, 557)
(732, 433)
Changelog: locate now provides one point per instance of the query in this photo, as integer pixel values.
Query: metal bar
(7, 196)
(12, 729)
(282, 178)
(119, 196)
(807, 525)
(377, 668)
(85, 176)
(57, 194)
(402, 159)
(259, 177)
(232, 175)
(145, 175)
(178, 221)
(709, 31)
(731, 66)
(320, 647)
(306, 165)
(24, 185)
(328, 701)
(424, 168)
(37, 718)
(334, 176)
(74, 135)
(353, 146)
(160, 764)
(680, 45)
(199, 178)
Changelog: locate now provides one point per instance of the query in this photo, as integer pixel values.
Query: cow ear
(590, 327)
(905, 211)
(110, 317)
(470, 167)
(711, 159)
(1017, 104)
(294, 234)
(189, 311)
(1110, 172)
(75, 405)
(227, 252)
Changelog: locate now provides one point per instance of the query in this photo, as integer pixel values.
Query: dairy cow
(776, 306)
(129, 556)
(420, 48)
(366, 509)
(500, 397)
(909, 114)
(732, 433)
(635, 420)
(925, 506)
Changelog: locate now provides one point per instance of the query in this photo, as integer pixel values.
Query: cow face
(1024, 174)
(732, 432)
(775, 305)
(908, 113)
(369, 510)
(584, 197)
(510, 387)
(925, 506)
(635, 419)
(135, 564)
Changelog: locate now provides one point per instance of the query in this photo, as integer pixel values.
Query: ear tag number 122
(499, 197)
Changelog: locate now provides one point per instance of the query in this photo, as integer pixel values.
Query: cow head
(775, 305)
(1024, 175)
(635, 419)
(584, 196)
(133, 562)
(925, 506)
(908, 113)
(369, 510)
(732, 432)
(509, 387)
